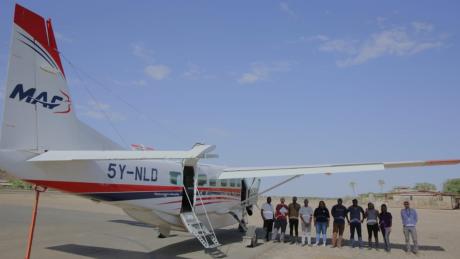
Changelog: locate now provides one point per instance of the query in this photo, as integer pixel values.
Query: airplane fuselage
(151, 191)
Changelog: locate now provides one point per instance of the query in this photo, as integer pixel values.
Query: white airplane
(44, 143)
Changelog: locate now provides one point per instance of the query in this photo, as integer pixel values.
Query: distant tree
(452, 185)
(353, 187)
(381, 184)
(18, 184)
(425, 187)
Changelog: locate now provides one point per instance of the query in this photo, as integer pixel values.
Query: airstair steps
(206, 237)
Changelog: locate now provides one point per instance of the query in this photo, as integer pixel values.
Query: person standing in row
(267, 213)
(355, 222)
(306, 215)
(293, 214)
(321, 216)
(372, 225)
(409, 220)
(339, 213)
(281, 212)
(385, 221)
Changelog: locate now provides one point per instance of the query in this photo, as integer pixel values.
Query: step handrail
(206, 213)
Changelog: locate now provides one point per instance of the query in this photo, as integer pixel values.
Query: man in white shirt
(267, 213)
(306, 215)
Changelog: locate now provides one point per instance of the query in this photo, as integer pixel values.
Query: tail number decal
(138, 173)
(33, 97)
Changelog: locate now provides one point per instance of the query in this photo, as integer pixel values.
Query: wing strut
(279, 184)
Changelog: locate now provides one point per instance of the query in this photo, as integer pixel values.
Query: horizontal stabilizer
(249, 172)
(197, 152)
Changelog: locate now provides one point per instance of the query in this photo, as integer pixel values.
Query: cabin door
(189, 181)
(244, 190)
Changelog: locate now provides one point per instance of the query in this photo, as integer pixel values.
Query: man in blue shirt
(355, 221)
(409, 220)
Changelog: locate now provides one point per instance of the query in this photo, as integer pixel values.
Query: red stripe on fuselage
(210, 202)
(206, 198)
(84, 187)
(219, 189)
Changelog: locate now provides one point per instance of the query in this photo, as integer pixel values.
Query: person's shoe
(324, 244)
(316, 244)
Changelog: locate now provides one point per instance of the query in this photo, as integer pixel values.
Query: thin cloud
(339, 45)
(286, 9)
(261, 71)
(396, 41)
(157, 72)
(422, 26)
(141, 51)
(194, 72)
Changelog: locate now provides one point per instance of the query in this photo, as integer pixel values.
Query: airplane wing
(249, 172)
(197, 152)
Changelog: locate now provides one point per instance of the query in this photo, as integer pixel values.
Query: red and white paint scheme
(44, 143)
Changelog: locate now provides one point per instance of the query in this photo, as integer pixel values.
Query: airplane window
(238, 183)
(202, 179)
(212, 182)
(223, 182)
(232, 183)
(174, 177)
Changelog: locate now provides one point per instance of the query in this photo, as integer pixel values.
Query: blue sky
(269, 82)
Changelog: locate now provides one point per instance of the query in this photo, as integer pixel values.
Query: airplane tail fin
(38, 109)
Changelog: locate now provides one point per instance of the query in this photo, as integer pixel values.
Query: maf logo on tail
(33, 97)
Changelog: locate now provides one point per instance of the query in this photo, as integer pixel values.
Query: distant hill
(5, 176)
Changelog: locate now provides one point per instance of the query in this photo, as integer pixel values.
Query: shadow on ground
(173, 250)
(347, 243)
(131, 223)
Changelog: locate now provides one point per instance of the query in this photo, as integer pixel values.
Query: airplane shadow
(131, 223)
(174, 250)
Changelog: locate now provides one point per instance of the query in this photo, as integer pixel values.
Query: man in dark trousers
(355, 221)
(267, 213)
(339, 212)
(293, 213)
